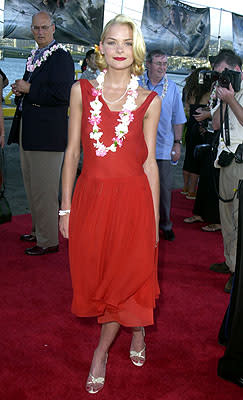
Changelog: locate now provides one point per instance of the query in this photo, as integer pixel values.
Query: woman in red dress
(113, 223)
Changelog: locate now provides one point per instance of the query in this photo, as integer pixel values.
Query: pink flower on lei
(95, 119)
(101, 151)
(117, 141)
(95, 92)
(128, 114)
(30, 67)
(133, 93)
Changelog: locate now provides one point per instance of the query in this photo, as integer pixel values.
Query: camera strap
(224, 121)
(226, 126)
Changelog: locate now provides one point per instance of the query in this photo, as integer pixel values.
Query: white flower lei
(165, 86)
(31, 67)
(125, 116)
(212, 97)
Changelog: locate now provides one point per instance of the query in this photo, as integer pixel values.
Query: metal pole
(122, 7)
(219, 36)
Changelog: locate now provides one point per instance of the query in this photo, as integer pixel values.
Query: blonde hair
(139, 49)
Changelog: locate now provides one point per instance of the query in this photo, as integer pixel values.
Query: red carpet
(46, 351)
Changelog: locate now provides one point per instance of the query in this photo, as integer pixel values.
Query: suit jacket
(44, 108)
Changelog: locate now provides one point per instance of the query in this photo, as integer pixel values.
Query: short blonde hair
(139, 49)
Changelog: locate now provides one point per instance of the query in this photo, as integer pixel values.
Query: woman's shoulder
(143, 94)
(84, 84)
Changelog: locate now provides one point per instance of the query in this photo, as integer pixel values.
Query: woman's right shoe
(138, 357)
(211, 228)
(94, 385)
(191, 195)
(193, 218)
(184, 191)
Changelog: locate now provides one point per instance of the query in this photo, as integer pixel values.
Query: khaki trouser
(41, 173)
(228, 182)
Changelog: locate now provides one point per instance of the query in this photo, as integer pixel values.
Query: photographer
(229, 159)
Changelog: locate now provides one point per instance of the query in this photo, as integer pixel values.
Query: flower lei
(125, 116)
(212, 97)
(165, 86)
(31, 67)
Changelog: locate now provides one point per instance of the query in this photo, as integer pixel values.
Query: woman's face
(117, 46)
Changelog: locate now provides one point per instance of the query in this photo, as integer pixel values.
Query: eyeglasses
(160, 64)
(38, 28)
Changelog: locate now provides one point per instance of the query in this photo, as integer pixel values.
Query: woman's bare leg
(137, 338)
(107, 336)
(186, 178)
(192, 188)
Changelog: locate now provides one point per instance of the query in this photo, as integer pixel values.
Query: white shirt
(235, 129)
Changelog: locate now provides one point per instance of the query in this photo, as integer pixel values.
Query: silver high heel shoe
(138, 357)
(94, 385)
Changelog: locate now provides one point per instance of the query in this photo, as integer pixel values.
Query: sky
(226, 17)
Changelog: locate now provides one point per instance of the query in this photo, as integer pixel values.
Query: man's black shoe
(40, 251)
(229, 284)
(237, 379)
(169, 235)
(222, 268)
(28, 238)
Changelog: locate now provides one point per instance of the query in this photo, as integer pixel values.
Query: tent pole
(122, 6)
(219, 36)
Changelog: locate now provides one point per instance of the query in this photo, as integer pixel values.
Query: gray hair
(45, 13)
(155, 52)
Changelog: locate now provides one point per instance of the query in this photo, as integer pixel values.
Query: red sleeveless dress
(112, 253)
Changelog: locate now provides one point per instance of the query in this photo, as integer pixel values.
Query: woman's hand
(202, 114)
(64, 226)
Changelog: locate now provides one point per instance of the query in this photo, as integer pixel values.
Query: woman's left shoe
(94, 385)
(138, 357)
(211, 228)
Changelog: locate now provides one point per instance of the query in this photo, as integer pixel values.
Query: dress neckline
(117, 112)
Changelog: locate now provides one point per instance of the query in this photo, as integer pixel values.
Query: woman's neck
(117, 79)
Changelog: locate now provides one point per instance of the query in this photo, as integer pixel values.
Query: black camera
(224, 78)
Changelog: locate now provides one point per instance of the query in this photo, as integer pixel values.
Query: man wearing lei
(172, 119)
(40, 128)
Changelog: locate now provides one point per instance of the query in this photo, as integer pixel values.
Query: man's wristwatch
(178, 141)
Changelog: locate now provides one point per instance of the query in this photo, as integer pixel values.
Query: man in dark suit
(40, 128)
